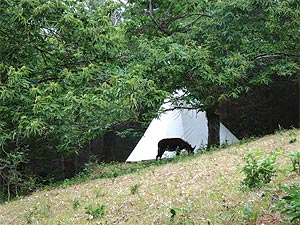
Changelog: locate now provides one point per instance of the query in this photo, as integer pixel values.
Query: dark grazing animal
(171, 144)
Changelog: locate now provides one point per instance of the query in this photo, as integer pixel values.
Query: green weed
(295, 157)
(134, 189)
(257, 170)
(89, 167)
(180, 216)
(94, 212)
(76, 203)
(249, 214)
(173, 214)
(290, 203)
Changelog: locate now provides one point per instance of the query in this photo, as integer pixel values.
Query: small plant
(173, 214)
(98, 193)
(41, 209)
(76, 203)
(225, 144)
(290, 203)
(295, 157)
(89, 167)
(292, 135)
(134, 189)
(280, 130)
(29, 215)
(249, 214)
(258, 171)
(95, 212)
(180, 216)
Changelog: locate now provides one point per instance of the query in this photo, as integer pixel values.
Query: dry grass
(202, 190)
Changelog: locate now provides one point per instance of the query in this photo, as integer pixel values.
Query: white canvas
(188, 125)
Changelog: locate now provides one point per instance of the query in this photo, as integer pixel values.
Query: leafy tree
(63, 80)
(9, 171)
(215, 50)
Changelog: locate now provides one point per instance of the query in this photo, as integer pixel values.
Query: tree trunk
(213, 123)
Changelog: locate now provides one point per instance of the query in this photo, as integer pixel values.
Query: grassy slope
(200, 189)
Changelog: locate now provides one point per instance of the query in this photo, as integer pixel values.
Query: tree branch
(163, 25)
(186, 27)
(275, 55)
(160, 26)
(168, 11)
(47, 79)
(197, 108)
(190, 15)
(181, 107)
(151, 13)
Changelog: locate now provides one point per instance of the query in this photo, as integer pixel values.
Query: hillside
(202, 189)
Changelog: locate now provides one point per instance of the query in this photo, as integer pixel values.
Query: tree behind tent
(217, 50)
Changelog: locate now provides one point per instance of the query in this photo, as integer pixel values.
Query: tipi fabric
(186, 124)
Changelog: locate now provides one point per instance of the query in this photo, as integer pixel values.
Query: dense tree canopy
(63, 77)
(216, 50)
(61, 72)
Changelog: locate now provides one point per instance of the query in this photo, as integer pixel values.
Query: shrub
(295, 157)
(257, 170)
(290, 203)
(11, 176)
(95, 211)
(89, 167)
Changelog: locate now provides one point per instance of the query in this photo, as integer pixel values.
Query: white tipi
(187, 124)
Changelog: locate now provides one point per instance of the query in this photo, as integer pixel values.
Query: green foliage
(76, 203)
(173, 214)
(180, 216)
(72, 75)
(89, 167)
(295, 157)
(215, 49)
(257, 170)
(290, 203)
(249, 214)
(293, 137)
(94, 212)
(63, 79)
(134, 189)
(10, 175)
